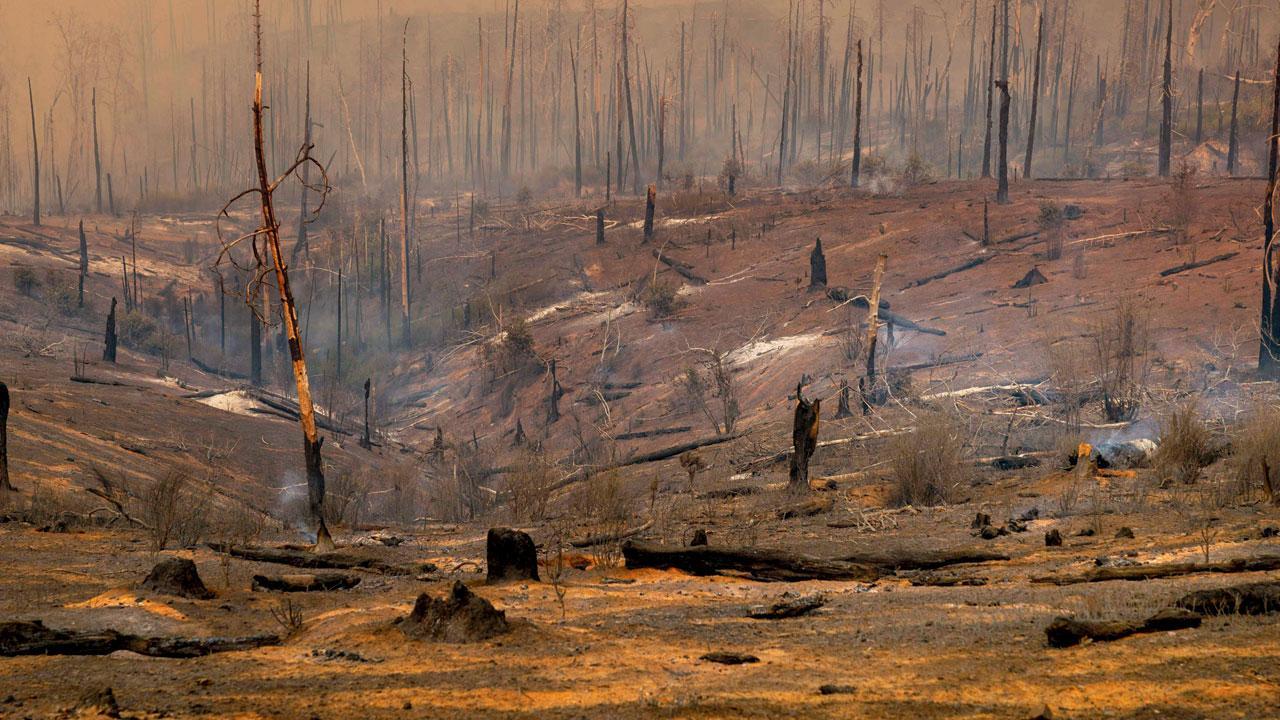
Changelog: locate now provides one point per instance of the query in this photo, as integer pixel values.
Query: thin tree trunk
(867, 383)
(97, 159)
(84, 265)
(857, 124)
(991, 80)
(35, 158)
(109, 340)
(1035, 100)
(405, 295)
(271, 233)
(1166, 98)
(631, 118)
(1233, 148)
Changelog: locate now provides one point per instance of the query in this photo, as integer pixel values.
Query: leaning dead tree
(269, 264)
(1269, 345)
(804, 439)
(4, 438)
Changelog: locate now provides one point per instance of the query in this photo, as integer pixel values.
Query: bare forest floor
(604, 641)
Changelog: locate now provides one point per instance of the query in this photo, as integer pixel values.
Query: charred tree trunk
(804, 439)
(301, 246)
(553, 397)
(97, 158)
(1002, 172)
(1166, 97)
(35, 158)
(817, 266)
(366, 441)
(1035, 99)
(649, 202)
(577, 126)
(109, 340)
(991, 80)
(405, 296)
(631, 118)
(270, 232)
(1200, 108)
(599, 226)
(857, 124)
(1233, 148)
(5, 483)
(255, 347)
(84, 266)
(1269, 352)
(867, 383)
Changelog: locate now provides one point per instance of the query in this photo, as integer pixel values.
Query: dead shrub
(929, 463)
(1256, 452)
(345, 499)
(513, 349)
(175, 512)
(529, 486)
(288, 615)
(1051, 223)
(1186, 445)
(603, 506)
(1183, 203)
(25, 281)
(1120, 345)
(662, 299)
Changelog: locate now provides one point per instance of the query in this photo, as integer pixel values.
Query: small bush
(662, 299)
(25, 281)
(1256, 452)
(175, 512)
(916, 171)
(529, 486)
(345, 496)
(1120, 344)
(1051, 222)
(1186, 446)
(64, 293)
(140, 332)
(928, 464)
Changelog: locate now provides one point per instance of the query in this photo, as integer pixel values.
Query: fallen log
(311, 560)
(652, 433)
(782, 455)
(606, 538)
(320, 582)
(1164, 570)
(1065, 632)
(757, 563)
(940, 362)
(1198, 264)
(891, 561)
(947, 273)
(684, 270)
(33, 638)
(730, 492)
(1257, 598)
(808, 508)
(788, 606)
(643, 458)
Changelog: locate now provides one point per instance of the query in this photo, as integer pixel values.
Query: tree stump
(460, 618)
(176, 576)
(510, 556)
(817, 266)
(804, 439)
(5, 484)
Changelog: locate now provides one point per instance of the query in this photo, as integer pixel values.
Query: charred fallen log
(319, 582)
(305, 559)
(1067, 632)
(33, 638)
(1165, 570)
(758, 563)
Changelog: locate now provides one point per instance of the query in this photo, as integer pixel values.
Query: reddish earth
(632, 649)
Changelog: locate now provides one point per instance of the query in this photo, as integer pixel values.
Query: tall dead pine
(1035, 99)
(267, 241)
(405, 295)
(1233, 143)
(35, 158)
(804, 439)
(1166, 97)
(857, 124)
(84, 266)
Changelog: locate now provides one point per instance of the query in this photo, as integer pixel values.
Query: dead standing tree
(4, 439)
(269, 260)
(1166, 98)
(1269, 345)
(804, 439)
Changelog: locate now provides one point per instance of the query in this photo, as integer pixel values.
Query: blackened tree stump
(177, 576)
(511, 556)
(461, 617)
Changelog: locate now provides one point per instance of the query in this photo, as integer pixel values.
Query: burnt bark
(1269, 326)
(84, 266)
(5, 483)
(510, 556)
(1233, 145)
(1166, 97)
(757, 563)
(804, 439)
(817, 266)
(109, 340)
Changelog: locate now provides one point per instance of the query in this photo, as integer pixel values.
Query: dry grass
(175, 512)
(1186, 445)
(1256, 452)
(1121, 343)
(529, 486)
(928, 464)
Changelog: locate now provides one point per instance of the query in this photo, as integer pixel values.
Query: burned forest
(639, 359)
